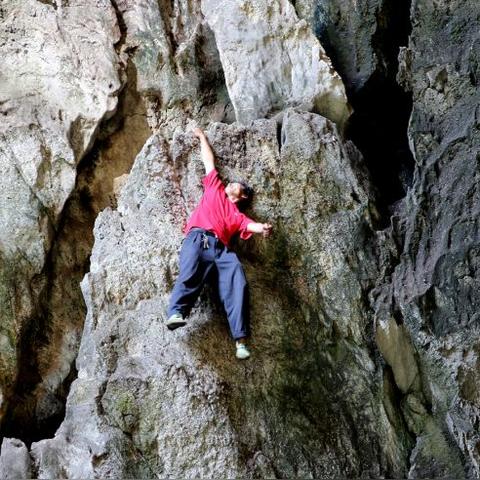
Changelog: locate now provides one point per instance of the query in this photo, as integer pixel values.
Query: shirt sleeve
(212, 180)
(244, 221)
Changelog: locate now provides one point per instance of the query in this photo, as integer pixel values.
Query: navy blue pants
(196, 263)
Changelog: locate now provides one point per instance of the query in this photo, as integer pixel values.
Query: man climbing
(206, 245)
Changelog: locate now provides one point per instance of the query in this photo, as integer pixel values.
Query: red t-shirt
(217, 213)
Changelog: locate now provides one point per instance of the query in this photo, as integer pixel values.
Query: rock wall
(272, 60)
(364, 348)
(54, 94)
(429, 302)
(363, 40)
(168, 399)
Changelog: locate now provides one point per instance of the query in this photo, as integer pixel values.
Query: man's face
(234, 191)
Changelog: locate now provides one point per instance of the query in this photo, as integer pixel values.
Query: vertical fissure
(368, 64)
(379, 124)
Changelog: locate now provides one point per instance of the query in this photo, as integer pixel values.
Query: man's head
(239, 192)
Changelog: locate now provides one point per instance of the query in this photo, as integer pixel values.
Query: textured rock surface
(363, 39)
(272, 60)
(40, 398)
(58, 81)
(14, 460)
(366, 350)
(153, 402)
(177, 63)
(433, 289)
(346, 29)
(169, 70)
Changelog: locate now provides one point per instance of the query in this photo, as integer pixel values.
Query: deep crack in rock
(382, 109)
(363, 43)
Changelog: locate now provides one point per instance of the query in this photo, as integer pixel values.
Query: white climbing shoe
(242, 351)
(176, 320)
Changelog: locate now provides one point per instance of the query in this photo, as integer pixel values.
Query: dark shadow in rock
(381, 107)
(378, 127)
(301, 393)
(37, 407)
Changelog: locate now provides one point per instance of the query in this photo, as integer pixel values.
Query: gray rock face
(365, 344)
(166, 56)
(67, 98)
(58, 81)
(148, 401)
(176, 61)
(432, 293)
(347, 28)
(272, 60)
(111, 156)
(14, 460)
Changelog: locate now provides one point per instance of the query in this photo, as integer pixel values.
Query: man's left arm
(264, 228)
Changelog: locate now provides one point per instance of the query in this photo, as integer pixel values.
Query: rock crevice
(364, 39)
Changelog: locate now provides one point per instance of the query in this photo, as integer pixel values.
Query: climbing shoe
(242, 351)
(176, 320)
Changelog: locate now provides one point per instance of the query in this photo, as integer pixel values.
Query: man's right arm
(205, 150)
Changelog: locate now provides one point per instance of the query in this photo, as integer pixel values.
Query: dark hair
(247, 190)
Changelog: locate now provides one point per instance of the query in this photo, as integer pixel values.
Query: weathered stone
(433, 288)
(272, 61)
(14, 460)
(149, 402)
(58, 81)
(112, 155)
(44, 317)
(396, 347)
(347, 30)
(177, 62)
(315, 399)
(363, 39)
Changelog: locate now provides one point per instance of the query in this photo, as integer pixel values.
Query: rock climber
(206, 245)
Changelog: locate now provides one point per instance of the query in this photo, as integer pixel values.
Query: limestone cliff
(363, 303)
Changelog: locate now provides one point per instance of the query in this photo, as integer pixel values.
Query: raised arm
(205, 150)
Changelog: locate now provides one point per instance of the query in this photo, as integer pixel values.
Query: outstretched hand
(198, 132)
(267, 229)
(264, 228)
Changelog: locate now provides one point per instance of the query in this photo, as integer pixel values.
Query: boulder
(272, 60)
(151, 402)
